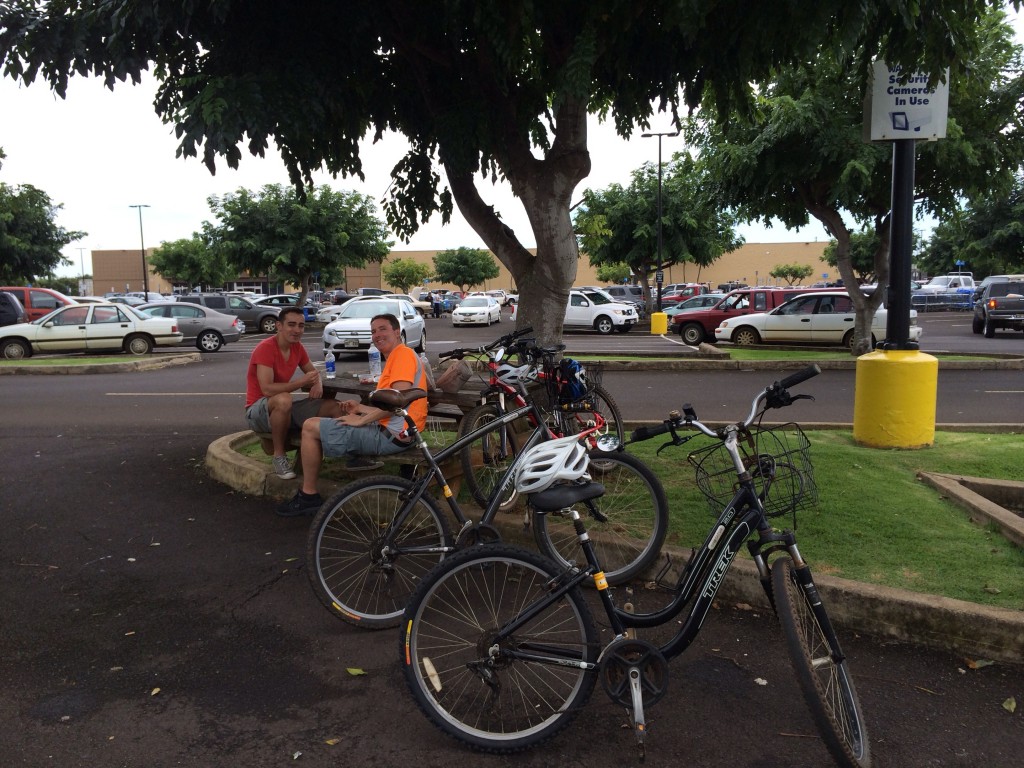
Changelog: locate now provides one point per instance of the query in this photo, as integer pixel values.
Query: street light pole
(142, 242)
(659, 135)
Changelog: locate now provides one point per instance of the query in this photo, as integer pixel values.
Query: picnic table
(448, 405)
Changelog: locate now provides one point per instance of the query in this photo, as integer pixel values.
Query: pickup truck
(700, 324)
(1001, 306)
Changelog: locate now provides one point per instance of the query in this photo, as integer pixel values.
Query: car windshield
(598, 298)
(475, 301)
(1005, 289)
(368, 309)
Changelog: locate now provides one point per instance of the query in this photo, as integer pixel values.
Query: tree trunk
(545, 187)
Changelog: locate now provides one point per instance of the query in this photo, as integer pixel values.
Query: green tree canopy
(403, 274)
(803, 154)
(465, 267)
(193, 261)
(620, 225)
(291, 237)
(30, 239)
(488, 89)
(791, 273)
(617, 272)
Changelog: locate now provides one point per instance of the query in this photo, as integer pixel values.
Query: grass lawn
(875, 521)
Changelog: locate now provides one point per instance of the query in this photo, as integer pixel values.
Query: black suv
(261, 317)
(11, 310)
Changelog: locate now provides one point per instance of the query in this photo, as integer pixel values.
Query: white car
(350, 332)
(825, 317)
(477, 310)
(594, 308)
(423, 307)
(87, 328)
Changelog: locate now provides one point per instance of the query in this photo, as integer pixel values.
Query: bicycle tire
(827, 686)
(515, 703)
(346, 570)
(484, 461)
(629, 541)
(573, 423)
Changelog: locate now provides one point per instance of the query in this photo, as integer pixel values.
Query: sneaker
(363, 465)
(282, 468)
(300, 504)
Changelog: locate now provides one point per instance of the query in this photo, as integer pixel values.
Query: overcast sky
(97, 153)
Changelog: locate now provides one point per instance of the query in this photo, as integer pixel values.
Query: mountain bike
(370, 544)
(500, 649)
(568, 406)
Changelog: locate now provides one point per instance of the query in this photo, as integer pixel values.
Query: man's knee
(311, 429)
(279, 403)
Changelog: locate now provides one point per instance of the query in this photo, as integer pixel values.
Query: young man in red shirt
(269, 386)
(362, 430)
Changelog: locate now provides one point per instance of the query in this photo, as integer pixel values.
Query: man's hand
(311, 379)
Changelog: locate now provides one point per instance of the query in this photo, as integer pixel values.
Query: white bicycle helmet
(513, 374)
(546, 464)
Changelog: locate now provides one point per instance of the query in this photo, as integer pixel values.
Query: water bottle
(374, 363)
(329, 364)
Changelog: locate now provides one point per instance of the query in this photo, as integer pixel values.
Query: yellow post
(894, 399)
(659, 323)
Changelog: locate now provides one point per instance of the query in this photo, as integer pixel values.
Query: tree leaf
(1010, 705)
(979, 663)
(355, 671)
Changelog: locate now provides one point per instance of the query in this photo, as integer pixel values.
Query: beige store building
(750, 264)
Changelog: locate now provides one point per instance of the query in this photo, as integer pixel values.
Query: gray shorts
(342, 440)
(259, 421)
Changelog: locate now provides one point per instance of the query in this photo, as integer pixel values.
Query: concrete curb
(929, 620)
(149, 363)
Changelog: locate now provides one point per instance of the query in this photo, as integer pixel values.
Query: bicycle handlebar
(502, 341)
(773, 396)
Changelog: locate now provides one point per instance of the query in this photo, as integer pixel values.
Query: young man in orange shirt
(269, 386)
(362, 430)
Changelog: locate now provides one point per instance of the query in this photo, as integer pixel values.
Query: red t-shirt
(269, 354)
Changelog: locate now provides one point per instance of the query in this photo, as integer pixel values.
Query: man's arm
(316, 389)
(269, 387)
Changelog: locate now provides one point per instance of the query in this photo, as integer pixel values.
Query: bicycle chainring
(629, 653)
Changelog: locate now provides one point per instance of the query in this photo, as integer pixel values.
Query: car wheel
(422, 346)
(989, 330)
(15, 349)
(604, 324)
(746, 337)
(977, 323)
(268, 324)
(209, 341)
(138, 345)
(692, 333)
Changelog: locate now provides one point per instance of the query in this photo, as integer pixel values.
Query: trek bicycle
(371, 543)
(500, 649)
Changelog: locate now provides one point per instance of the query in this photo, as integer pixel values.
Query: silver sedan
(207, 328)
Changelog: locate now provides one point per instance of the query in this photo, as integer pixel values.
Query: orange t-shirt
(404, 365)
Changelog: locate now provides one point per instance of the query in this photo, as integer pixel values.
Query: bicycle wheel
(627, 530)
(572, 423)
(498, 696)
(826, 684)
(350, 572)
(484, 461)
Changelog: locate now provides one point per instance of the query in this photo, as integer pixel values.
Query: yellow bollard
(659, 323)
(894, 399)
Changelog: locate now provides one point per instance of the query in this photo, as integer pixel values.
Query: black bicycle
(370, 544)
(500, 648)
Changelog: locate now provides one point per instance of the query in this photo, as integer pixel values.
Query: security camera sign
(906, 107)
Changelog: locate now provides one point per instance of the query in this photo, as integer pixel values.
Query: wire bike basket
(779, 460)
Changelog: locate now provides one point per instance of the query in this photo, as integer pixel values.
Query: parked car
(350, 332)
(262, 318)
(703, 301)
(87, 328)
(632, 294)
(11, 310)
(152, 296)
(281, 300)
(423, 306)
(38, 301)
(1000, 307)
(822, 317)
(596, 309)
(131, 301)
(371, 292)
(207, 328)
(477, 310)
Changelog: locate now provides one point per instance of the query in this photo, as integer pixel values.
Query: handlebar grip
(807, 373)
(646, 433)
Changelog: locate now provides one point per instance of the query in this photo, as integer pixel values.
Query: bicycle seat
(394, 399)
(563, 496)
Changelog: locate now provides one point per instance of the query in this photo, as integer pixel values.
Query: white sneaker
(282, 468)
